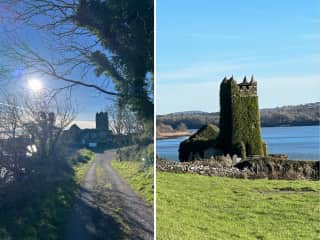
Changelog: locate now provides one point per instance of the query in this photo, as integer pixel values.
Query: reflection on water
(299, 143)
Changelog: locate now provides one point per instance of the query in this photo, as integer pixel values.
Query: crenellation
(248, 88)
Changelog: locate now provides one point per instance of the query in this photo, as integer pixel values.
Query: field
(139, 177)
(200, 207)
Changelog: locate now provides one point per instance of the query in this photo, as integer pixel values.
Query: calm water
(299, 143)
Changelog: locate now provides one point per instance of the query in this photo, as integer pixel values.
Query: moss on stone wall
(204, 138)
(246, 124)
(209, 131)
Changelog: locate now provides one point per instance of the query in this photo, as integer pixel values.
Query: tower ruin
(240, 131)
(102, 121)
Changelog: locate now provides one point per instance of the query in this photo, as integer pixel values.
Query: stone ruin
(239, 130)
(240, 127)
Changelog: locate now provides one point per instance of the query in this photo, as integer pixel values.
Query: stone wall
(225, 166)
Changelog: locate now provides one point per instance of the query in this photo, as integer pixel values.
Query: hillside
(166, 131)
(299, 115)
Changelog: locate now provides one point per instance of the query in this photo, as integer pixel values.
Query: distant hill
(299, 115)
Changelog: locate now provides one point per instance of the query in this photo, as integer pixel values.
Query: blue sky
(87, 101)
(200, 42)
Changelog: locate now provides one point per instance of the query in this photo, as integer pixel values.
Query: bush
(142, 153)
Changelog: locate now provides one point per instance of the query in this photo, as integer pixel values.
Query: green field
(138, 176)
(196, 207)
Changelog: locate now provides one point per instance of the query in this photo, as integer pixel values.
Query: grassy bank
(200, 207)
(82, 162)
(38, 208)
(138, 176)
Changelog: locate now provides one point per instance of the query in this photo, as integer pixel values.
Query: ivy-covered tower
(240, 131)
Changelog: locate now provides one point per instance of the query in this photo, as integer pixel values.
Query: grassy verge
(82, 163)
(138, 176)
(200, 207)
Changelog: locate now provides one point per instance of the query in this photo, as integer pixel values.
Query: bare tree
(40, 120)
(71, 52)
(123, 121)
(11, 163)
(46, 116)
(10, 116)
(118, 50)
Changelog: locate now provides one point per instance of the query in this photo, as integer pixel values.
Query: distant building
(102, 121)
(91, 137)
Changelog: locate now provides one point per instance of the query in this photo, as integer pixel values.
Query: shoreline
(169, 135)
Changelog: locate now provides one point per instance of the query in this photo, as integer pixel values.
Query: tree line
(304, 114)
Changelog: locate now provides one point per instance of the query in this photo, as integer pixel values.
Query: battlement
(248, 88)
(245, 88)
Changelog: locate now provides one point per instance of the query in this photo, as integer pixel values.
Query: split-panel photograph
(168, 120)
(76, 119)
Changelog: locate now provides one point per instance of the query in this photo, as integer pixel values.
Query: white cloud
(200, 71)
(238, 66)
(204, 96)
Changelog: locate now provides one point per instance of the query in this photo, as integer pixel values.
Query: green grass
(200, 207)
(138, 176)
(85, 158)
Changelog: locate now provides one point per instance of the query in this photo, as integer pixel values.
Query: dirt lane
(107, 207)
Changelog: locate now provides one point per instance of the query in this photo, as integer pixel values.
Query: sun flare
(35, 85)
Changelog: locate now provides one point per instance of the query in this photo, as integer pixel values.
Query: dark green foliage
(137, 152)
(194, 146)
(38, 207)
(198, 142)
(240, 148)
(225, 124)
(38, 210)
(125, 31)
(240, 131)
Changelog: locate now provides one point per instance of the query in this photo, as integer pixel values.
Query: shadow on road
(90, 221)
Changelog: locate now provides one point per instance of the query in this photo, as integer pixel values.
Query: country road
(107, 207)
